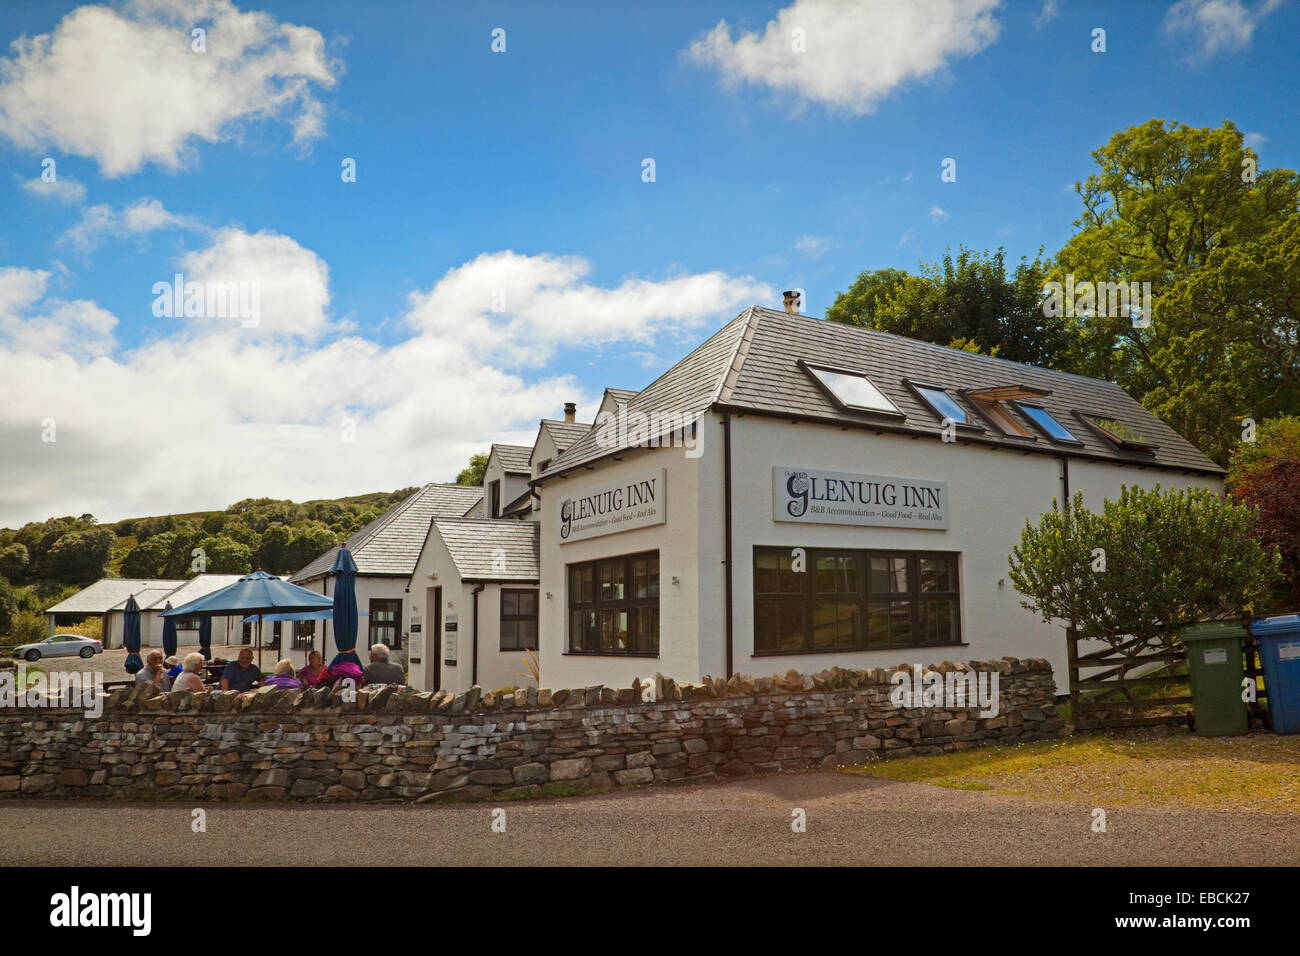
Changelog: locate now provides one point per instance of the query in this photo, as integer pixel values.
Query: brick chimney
(792, 303)
(570, 412)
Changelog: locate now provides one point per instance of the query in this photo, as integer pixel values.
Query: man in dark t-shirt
(240, 674)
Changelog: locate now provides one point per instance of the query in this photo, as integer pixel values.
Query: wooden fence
(1106, 697)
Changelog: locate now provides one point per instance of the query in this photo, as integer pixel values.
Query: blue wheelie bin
(1279, 652)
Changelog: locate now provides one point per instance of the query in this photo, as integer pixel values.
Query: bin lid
(1212, 631)
(1279, 624)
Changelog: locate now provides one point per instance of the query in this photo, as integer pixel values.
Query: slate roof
(110, 594)
(622, 395)
(521, 504)
(390, 545)
(474, 542)
(751, 365)
(194, 588)
(514, 458)
(564, 434)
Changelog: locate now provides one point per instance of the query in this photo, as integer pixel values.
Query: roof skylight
(1050, 427)
(944, 405)
(853, 390)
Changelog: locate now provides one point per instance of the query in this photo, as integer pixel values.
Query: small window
(1118, 434)
(944, 405)
(1050, 427)
(853, 390)
(518, 620)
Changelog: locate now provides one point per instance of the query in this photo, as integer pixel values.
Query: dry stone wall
(393, 743)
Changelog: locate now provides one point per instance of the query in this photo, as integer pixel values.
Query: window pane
(509, 603)
(900, 622)
(1043, 419)
(835, 624)
(528, 630)
(793, 637)
(528, 603)
(766, 578)
(936, 574)
(854, 390)
(508, 631)
(888, 575)
(837, 574)
(944, 404)
(654, 629)
(767, 626)
(938, 622)
(612, 580)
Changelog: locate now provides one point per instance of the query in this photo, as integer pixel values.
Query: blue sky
(513, 178)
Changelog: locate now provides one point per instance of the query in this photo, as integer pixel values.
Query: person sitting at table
(311, 674)
(188, 678)
(173, 666)
(154, 673)
(381, 670)
(241, 674)
(283, 677)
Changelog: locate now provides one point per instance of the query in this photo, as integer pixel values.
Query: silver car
(60, 645)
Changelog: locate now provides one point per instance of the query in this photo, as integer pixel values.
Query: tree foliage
(1265, 474)
(472, 474)
(1149, 564)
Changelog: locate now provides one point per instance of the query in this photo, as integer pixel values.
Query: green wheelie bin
(1216, 671)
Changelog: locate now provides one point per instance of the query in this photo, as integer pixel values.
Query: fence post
(1072, 657)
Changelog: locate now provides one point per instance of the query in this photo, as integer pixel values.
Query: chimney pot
(792, 303)
(570, 412)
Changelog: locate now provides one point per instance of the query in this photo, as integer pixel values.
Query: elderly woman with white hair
(188, 678)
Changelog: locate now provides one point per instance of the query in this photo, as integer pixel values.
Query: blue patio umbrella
(345, 608)
(169, 633)
(205, 636)
(131, 635)
(256, 593)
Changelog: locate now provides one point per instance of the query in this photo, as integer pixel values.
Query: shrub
(1148, 564)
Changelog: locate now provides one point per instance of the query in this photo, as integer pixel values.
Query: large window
(808, 600)
(304, 635)
(384, 615)
(518, 619)
(853, 390)
(614, 606)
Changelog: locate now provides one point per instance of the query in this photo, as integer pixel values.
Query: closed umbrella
(131, 635)
(169, 633)
(205, 636)
(345, 608)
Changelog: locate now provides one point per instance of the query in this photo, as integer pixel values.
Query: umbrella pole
(259, 642)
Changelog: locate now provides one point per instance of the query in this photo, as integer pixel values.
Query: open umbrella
(131, 635)
(256, 593)
(169, 633)
(345, 608)
(205, 636)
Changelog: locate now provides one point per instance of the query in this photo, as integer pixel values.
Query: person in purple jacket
(283, 677)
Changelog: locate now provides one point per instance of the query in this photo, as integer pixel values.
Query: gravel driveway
(850, 821)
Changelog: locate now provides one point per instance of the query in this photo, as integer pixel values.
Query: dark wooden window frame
(519, 644)
(802, 602)
(396, 627)
(628, 603)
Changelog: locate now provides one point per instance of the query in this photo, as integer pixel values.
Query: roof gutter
(473, 675)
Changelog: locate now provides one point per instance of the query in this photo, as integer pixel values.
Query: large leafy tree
(969, 299)
(1189, 211)
(80, 557)
(858, 306)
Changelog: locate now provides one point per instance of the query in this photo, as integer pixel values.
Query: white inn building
(794, 493)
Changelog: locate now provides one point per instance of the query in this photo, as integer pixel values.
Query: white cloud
(937, 215)
(208, 413)
(64, 190)
(908, 238)
(1217, 25)
(140, 218)
(1051, 9)
(123, 86)
(855, 54)
(59, 330)
(1254, 140)
(812, 246)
